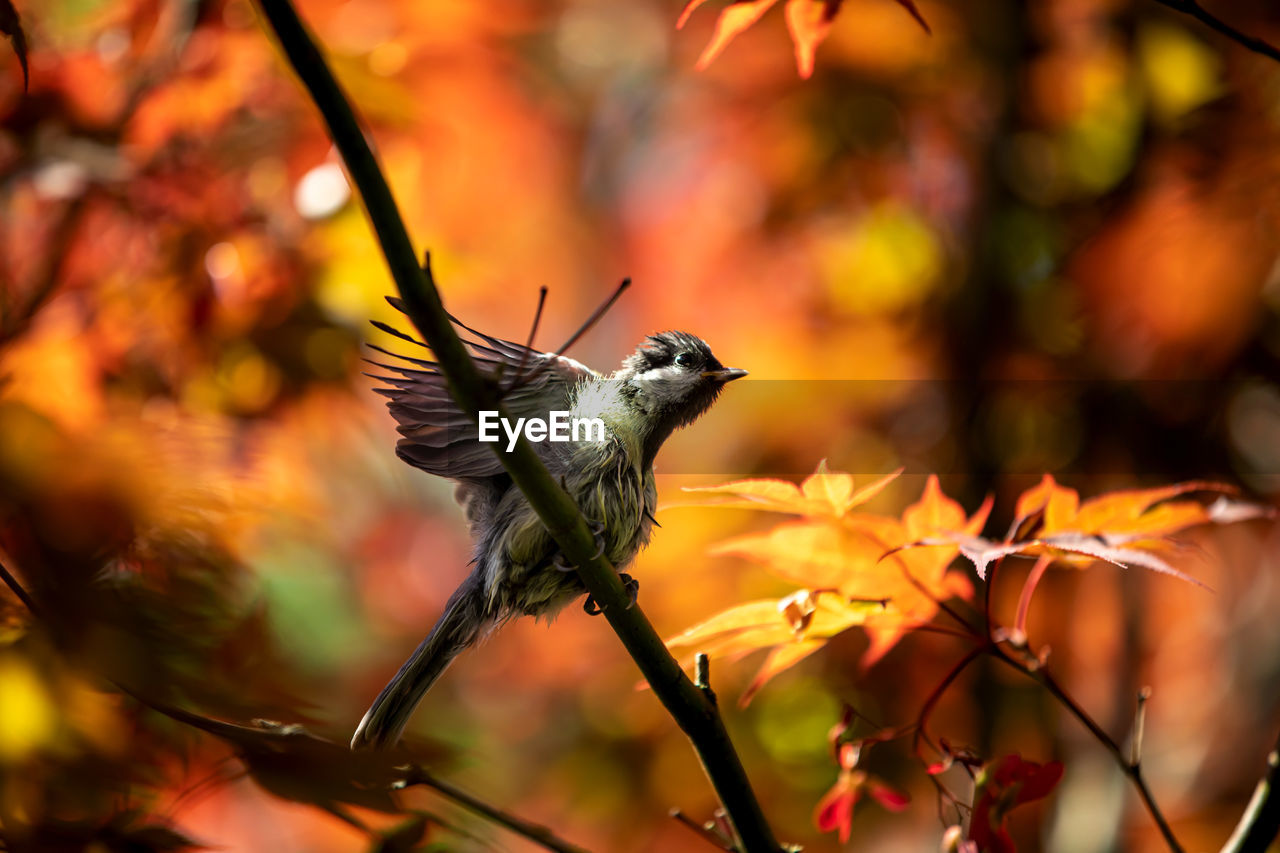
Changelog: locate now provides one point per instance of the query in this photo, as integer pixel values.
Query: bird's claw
(597, 530)
(632, 586)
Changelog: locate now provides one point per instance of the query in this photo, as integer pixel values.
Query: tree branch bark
(686, 703)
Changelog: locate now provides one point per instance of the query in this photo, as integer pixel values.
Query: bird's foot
(597, 530)
(630, 584)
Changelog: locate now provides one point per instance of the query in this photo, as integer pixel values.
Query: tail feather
(461, 624)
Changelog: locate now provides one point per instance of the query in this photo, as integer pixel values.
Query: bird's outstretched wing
(440, 438)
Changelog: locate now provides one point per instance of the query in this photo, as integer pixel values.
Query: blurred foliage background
(1043, 238)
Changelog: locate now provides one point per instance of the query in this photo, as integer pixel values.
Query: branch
(1130, 768)
(536, 833)
(1195, 10)
(1260, 822)
(683, 700)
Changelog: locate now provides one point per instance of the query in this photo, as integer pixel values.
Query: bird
(669, 380)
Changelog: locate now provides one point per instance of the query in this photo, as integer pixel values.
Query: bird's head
(671, 379)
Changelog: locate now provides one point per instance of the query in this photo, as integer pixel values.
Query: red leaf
(834, 812)
(891, 798)
(1001, 786)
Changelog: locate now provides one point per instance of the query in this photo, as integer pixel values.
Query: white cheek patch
(654, 375)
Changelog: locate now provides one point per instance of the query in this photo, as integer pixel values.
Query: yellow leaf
(781, 658)
(822, 493)
(815, 554)
(824, 487)
(1058, 504)
(755, 614)
(1129, 511)
(733, 20)
(809, 21)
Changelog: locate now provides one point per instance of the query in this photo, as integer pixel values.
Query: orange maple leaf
(836, 555)
(822, 493)
(808, 22)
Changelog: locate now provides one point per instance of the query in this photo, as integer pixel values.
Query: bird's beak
(724, 374)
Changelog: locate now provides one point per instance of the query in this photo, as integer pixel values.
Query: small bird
(517, 569)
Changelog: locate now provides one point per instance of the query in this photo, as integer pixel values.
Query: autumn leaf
(834, 812)
(794, 627)
(817, 554)
(822, 493)
(836, 556)
(1126, 528)
(1122, 515)
(808, 22)
(1001, 787)
(734, 20)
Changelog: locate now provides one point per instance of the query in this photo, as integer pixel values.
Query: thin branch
(1260, 823)
(1130, 768)
(561, 516)
(706, 832)
(926, 709)
(1139, 726)
(536, 833)
(1195, 10)
(18, 590)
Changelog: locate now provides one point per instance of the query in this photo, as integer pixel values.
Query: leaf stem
(1028, 589)
(686, 703)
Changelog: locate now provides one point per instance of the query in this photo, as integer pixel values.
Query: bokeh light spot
(27, 713)
(322, 192)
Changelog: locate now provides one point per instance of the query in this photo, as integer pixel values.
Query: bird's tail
(465, 617)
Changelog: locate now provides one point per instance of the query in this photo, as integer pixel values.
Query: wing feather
(440, 438)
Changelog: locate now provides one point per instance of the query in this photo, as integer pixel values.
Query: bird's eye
(686, 359)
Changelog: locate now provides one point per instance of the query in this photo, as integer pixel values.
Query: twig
(536, 833)
(1195, 10)
(922, 719)
(1260, 822)
(17, 589)
(705, 831)
(702, 676)
(561, 516)
(1139, 726)
(1132, 769)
